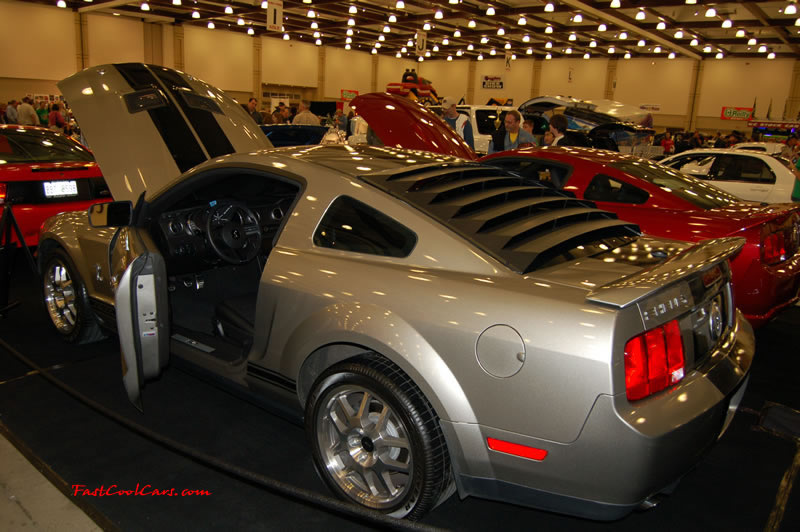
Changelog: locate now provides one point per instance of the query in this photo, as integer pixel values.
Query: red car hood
(400, 122)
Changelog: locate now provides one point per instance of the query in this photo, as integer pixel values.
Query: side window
(754, 170)
(605, 188)
(350, 225)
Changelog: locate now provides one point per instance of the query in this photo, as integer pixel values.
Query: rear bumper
(30, 217)
(625, 453)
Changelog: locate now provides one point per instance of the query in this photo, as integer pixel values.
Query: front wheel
(66, 301)
(376, 440)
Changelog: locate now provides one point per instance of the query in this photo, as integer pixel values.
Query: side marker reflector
(516, 449)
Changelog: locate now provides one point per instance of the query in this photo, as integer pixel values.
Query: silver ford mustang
(440, 325)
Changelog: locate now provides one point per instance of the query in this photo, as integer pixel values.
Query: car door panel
(142, 315)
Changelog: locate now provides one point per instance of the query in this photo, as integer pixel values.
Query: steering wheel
(233, 232)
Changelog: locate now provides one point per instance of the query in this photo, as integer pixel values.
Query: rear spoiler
(629, 290)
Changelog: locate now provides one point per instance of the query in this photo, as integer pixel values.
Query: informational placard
(275, 15)
(422, 42)
(492, 82)
(736, 113)
(652, 107)
(348, 94)
(508, 60)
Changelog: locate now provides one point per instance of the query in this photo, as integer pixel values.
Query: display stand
(8, 252)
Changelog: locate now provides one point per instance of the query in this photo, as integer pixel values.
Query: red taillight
(653, 361)
(516, 449)
(3, 192)
(773, 248)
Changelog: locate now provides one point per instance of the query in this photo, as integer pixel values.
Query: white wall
(168, 45)
(667, 83)
(288, 62)
(578, 77)
(221, 58)
(449, 78)
(37, 42)
(516, 82)
(738, 82)
(345, 69)
(106, 32)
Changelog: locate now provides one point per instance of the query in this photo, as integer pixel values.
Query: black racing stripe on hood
(174, 131)
(202, 120)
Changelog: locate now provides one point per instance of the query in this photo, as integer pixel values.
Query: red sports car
(43, 173)
(664, 202)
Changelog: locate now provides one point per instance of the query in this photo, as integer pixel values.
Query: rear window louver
(519, 221)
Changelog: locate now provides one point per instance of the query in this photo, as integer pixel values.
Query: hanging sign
(275, 15)
(508, 60)
(422, 42)
(348, 94)
(492, 82)
(736, 113)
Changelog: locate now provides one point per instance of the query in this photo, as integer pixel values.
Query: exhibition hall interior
(391, 264)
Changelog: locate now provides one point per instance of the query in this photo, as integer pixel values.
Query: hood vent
(524, 224)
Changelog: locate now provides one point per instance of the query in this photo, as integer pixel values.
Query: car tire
(376, 440)
(66, 301)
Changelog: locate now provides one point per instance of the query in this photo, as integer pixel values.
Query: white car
(485, 120)
(751, 175)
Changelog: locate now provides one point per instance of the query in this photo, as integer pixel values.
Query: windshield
(39, 146)
(691, 189)
(488, 120)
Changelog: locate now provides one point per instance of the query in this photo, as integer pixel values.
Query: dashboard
(188, 232)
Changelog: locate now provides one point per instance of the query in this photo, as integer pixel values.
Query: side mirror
(113, 214)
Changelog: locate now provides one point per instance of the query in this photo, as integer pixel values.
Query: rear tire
(66, 301)
(376, 440)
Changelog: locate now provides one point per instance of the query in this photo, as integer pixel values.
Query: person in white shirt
(27, 114)
(304, 115)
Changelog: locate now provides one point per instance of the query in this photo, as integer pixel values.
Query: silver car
(440, 325)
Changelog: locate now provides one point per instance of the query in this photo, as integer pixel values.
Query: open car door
(142, 322)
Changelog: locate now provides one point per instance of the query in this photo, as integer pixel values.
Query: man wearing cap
(457, 121)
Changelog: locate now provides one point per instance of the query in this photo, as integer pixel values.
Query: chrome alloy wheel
(365, 447)
(60, 297)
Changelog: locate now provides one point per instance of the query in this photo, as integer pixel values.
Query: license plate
(60, 189)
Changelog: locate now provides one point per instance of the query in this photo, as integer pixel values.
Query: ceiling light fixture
(471, 23)
(529, 51)
(400, 4)
(351, 22)
(376, 45)
(623, 35)
(492, 52)
(251, 31)
(445, 41)
(549, 7)
(404, 49)
(353, 10)
(578, 18)
(593, 44)
(489, 11)
(508, 46)
(671, 55)
(459, 53)
(314, 25)
(740, 33)
(449, 57)
(210, 25)
(484, 39)
(707, 48)
(480, 57)
(719, 55)
(317, 35)
(264, 4)
(285, 36)
(711, 12)
(548, 56)
(548, 44)
(568, 51)
(522, 21)
(694, 42)
(573, 37)
(615, 4)
(228, 10)
(349, 32)
(174, 2)
(548, 29)
(470, 47)
(771, 55)
(435, 48)
(627, 55)
(797, 22)
(392, 19)
(602, 27)
(426, 26)
(240, 21)
(348, 40)
(311, 14)
(641, 42)
(457, 33)
(611, 49)
(374, 51)
(752, 41)
(526, 38)
(381, 38)
(347, 46)
(657, 50)
(438, 15)
(679, 34)
(691, 2)
(661, 26)
(501, 31)
(641, 15)
(420, 59)
(791, 9)
(145, 6)
(195, 14)
(398, 55)
(727, 23)
(61, 3)
(386, 29)
(762, 49)
(586, 55)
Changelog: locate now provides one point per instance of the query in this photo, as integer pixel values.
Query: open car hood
(399, 122)
(147, 125)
